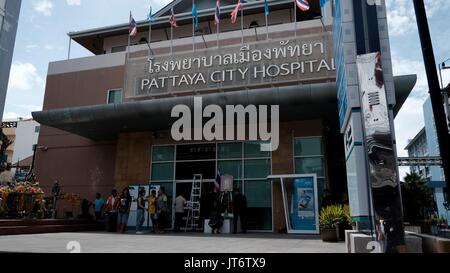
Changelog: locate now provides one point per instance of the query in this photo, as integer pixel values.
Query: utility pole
(435, 90)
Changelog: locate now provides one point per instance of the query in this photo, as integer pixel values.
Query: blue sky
(42, 38)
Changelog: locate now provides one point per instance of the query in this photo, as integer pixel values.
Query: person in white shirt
(180, 203)
(6, 177)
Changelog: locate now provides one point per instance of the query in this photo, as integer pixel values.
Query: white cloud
(73, 2)
(44, 7)
(401, 14)
(24, 77)
(406, 67)
(13, 116)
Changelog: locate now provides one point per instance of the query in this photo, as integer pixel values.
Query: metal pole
(267, 28)
(242, 23)
(70, 47)
(149, 38)
(295, 18)
(193, 27)
(171, 38)
(435, 91)
(218, 30)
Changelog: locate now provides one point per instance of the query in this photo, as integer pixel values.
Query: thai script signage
(306, 58)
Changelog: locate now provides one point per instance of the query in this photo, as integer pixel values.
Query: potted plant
(330, 217)
(345, 222)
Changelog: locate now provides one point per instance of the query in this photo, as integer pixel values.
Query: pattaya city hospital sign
(307, 58)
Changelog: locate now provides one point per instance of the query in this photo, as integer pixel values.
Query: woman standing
(124, 210)
(162, 209)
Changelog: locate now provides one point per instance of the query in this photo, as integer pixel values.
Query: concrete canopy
(300, 102)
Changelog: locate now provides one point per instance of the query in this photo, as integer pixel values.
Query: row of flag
(303, 5)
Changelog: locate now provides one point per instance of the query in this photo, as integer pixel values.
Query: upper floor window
(114, 96)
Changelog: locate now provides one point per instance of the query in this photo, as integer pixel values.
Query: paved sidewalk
(169, 243)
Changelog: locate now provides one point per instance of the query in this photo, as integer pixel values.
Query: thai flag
(218, 180)
(217, 13)
(133, 26)
(235, 12)
(173, 20)
(302, 4)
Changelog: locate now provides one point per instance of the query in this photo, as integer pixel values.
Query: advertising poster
(303, 210)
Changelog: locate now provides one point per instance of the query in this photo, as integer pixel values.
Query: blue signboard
(303, 207)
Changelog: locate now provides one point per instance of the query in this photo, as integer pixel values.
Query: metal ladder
(193, 205)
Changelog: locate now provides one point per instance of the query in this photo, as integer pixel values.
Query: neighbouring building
(106, 118)
(418, 147)
(9, 17)
(424, 144)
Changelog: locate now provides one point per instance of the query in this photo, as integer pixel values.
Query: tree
(417, 198)
(5, 143)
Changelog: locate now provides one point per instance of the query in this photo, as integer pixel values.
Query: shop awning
(299, 102)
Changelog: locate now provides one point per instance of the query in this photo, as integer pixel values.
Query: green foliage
(332, 216)
(417, 198)
(436, 220)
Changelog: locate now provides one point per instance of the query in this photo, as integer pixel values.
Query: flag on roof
(195, 16)
(266, 8)
(150, 16)
(133, 26)
(302, 4)
(217, 13)
(217, 182)
(235, 12)
(173, 19)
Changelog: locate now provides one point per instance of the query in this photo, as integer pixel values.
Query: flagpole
(171, 39)
(193, 27)
(129, 39)
(149, 36)
(242, 23)
(295, 18)
(218, 29)
(267, 25)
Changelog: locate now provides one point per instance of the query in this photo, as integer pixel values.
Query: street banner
(382, 161)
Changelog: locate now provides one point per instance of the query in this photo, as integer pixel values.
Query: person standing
(140, 211)
(152, 210)
(99, 205)
(240, 211)
(162, 209)
(124, 210)
(112, 205)
(6, 177)
(215, 212)
(180, 203)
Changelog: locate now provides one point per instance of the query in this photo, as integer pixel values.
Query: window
(115, 96)
(37, 129)
(309, 159)
(116, 49)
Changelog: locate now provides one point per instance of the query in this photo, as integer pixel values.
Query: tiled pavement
(169, 243)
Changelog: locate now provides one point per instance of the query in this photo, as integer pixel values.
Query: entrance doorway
(174, 166)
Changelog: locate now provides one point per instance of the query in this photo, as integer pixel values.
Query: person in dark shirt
(240, 211)
(124, 210)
